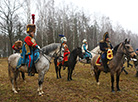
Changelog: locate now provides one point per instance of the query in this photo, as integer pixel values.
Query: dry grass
(83, 88)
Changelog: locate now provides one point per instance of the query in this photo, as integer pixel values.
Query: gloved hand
(38, 47)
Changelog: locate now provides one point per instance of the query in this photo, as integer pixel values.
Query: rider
(17, 46)
(30, 49)
(64, 51)
(104, 46)
(85, 51)
(136, 63)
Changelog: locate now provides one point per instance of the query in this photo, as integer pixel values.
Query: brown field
(83, 88)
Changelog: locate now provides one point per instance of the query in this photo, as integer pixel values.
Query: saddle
(98, 61)
(109, 57)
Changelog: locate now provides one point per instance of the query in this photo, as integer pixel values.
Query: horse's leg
(11, 75)
(112, 81)
(117, 80)
(97, 74)
(40, 82)
(71, 71)
(68, 78)
(56, 67)
(23, 76)
(59, 71)
(15, 79)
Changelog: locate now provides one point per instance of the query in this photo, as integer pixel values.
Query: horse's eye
(128, 47)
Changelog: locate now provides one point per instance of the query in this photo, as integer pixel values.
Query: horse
(42, 66)
(70, 64)
(93, 52)
(115, 65)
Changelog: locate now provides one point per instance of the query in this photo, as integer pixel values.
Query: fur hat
(106, 35)
(31, 28)
(18, 43)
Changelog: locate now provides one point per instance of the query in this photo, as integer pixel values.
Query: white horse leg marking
(98, 83)
(13, 88)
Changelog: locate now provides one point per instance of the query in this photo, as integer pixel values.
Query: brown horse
(115, 65)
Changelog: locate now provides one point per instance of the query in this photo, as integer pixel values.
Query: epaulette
(101, 41)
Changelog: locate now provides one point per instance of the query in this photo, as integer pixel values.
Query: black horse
(70, 64)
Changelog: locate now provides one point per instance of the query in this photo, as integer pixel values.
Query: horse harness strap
(45, 56)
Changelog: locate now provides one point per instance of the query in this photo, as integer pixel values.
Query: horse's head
(128, 49)
(79, 52)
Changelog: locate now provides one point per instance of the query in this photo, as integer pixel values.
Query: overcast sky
(124, 12)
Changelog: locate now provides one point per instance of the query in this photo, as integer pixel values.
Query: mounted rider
(86, 53)
(136, 63)
(64, 50)
(105, 46)
(17, 46)
(30, 49)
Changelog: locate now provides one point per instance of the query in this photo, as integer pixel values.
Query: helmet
(106, 35)
(31, 28)
(84, 40)
(63, 39)
(136, 49)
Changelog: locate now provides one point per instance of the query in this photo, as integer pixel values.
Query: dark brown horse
(70, 64)
(116, 64)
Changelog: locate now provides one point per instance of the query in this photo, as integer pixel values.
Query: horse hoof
(113, 91)
(40, 94)
(24, 81)
(15, 92)
(118, 90)
(18, 89)
(98, 83)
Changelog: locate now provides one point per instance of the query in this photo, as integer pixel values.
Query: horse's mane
(95, 49)
(74, 50)
(115, 49)
(51, 47)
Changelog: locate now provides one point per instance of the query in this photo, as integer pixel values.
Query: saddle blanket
(99, 61)
(36, 59)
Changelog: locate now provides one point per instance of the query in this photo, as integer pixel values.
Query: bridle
(127, 52)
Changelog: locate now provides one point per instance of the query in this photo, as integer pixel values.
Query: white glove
(38, 47)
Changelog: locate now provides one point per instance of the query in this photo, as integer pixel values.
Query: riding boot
(105, 65)
(136, 74)
(88, 60)
(30, 71)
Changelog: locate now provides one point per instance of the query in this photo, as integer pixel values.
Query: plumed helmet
(31, 28)
(84, 40)
(106, 35)
(63, 39)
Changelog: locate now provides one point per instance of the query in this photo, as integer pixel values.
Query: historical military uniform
(136, 63)
(104, 46)
(64, 51)
(17, 46)
(86, 53)
(30, 49)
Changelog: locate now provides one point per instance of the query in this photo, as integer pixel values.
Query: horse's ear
(125, 41)
(128, 41)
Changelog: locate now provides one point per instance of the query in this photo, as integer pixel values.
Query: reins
(45, 55)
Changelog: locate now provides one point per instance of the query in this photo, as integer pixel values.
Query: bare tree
(8, 10)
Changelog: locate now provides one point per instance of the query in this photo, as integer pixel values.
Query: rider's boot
(106, 69)
(88, 60)
(30, 71)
